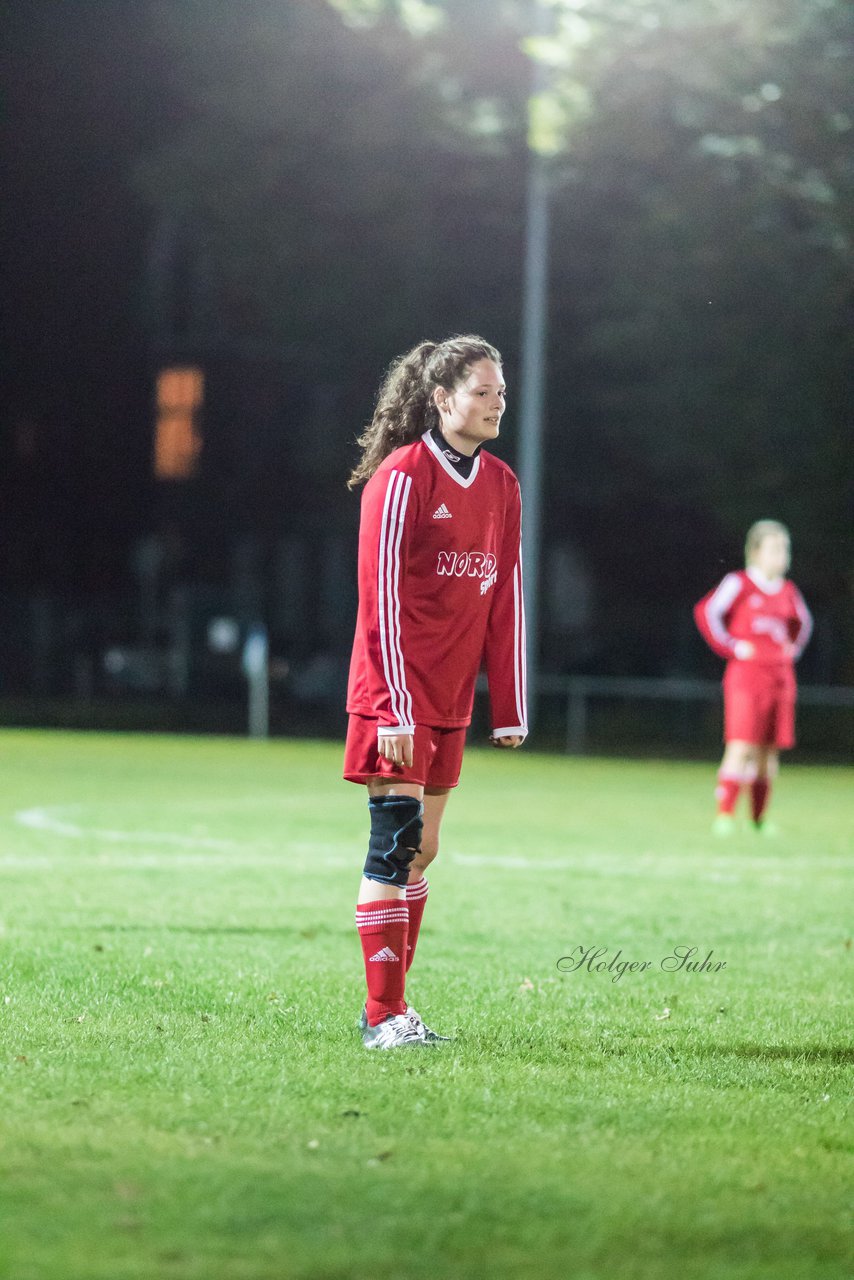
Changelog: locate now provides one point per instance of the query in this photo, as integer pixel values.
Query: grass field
(184, 1092)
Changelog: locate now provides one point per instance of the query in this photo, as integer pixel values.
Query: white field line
(223, 853)
(50, 819)
(648, 864)
(47, 819)
(167, 862)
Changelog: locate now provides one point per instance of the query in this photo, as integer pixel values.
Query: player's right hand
(744, 649)
(396, 747)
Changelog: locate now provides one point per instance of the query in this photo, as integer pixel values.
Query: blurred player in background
(440, 594)
(757, 619)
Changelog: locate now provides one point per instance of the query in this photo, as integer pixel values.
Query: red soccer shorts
(437, 755)
(759, 704)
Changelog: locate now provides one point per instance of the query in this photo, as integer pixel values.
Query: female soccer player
(757, 620)
(440, 592)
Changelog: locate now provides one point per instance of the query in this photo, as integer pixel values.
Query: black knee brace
(396, 828)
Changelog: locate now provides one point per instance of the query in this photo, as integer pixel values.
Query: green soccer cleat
(723, 825)
(765, 828)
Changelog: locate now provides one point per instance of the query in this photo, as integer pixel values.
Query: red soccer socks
(383, 927)
(760, 790)
(416, 900)
(726, 792)
(729, 785)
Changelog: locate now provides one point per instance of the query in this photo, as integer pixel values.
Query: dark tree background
(289, 194)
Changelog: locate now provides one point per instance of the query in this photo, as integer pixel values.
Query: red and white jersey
(440, 593)
(770, 613)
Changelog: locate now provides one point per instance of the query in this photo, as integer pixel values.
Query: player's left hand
(513, 741)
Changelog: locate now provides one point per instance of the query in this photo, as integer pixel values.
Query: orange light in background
(178, 441)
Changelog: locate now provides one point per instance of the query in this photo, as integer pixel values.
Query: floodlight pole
(256, 668)
(532, 379)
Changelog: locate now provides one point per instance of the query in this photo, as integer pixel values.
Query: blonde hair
(761, 529)
(405, 407)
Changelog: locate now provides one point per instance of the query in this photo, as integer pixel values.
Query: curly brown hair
(405, 407)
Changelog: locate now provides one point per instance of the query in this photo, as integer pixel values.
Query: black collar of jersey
(461, 462)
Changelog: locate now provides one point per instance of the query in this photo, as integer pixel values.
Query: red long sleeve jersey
(773, 616)
(440, 593)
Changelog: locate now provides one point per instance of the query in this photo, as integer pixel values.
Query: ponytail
(405, 407)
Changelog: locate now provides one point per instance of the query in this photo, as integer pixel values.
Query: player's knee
(429, 850)
(739, 755)
(396, 829)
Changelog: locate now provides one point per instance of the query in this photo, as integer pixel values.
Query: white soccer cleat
(394, 1032)
(430, 1037)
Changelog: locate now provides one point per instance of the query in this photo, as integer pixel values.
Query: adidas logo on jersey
(385, 954)
(442, 513)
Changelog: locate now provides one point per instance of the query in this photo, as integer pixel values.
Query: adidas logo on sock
(385, 954)
(442, 513)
